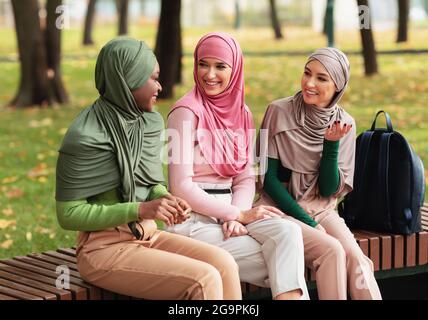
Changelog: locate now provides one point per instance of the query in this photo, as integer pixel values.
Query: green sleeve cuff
(328, 181)
(83, 216)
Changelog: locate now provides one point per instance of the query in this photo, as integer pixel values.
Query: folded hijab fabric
(113, 144)
(224, 117)
(296, 130)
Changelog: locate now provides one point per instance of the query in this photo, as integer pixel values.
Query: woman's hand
(257, 213)
(168, 209)
(335, 132)
(233, 229)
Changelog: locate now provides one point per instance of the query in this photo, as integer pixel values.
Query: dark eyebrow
(323, 74)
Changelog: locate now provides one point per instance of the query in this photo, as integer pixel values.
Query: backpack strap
(363, 153)
(383, 180)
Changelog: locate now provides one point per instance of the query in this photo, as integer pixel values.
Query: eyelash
(203, 65)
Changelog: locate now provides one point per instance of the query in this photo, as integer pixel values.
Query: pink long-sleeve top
(188, 167)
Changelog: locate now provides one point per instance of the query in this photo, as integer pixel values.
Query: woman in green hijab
(110, 187)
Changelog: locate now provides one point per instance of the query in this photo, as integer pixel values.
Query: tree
(369, 50)
(274, 20)
(39, 54)
(403, 20)
(89, 21)
(329, 22)
(122, 9)
(168, 46)
(237, 23)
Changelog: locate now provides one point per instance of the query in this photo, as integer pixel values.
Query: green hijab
(113, 144)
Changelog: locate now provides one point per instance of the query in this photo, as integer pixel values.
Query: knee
(290, 230)
(336, 250)
(223, 261)
(208, 285)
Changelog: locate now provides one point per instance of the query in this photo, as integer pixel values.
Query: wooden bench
(34, 277)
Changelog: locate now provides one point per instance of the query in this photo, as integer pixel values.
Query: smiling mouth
(310, 93)
(211, 83)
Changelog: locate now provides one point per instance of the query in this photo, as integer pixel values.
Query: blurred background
(48, 51)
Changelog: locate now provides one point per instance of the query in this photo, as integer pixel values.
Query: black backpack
(389, 183)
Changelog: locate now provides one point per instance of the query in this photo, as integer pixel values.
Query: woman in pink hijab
(211, 131)
(309, 155)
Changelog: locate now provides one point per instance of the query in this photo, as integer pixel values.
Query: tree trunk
(89, 22)
(237, 23)
(53, 54)
(178, 77)
(329, 22)
(36, 87)
(168, 45)
(369, 50)
(403, 20)
(274, 20)
(123, 16)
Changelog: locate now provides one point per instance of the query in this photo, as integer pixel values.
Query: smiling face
(317, 86)
(146, 95)
(213, 75)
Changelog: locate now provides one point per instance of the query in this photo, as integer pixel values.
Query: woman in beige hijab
(307, 163)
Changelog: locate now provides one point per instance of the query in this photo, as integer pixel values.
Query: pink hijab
(224, 120)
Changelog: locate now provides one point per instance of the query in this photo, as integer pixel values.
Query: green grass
(29, 139)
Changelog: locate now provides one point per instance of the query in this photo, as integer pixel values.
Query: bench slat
(93, 291)
(422, 248)
(67, 251)
(5, 297)
(55, 261)
(18, 294)
(26, 289)
(59, 293)
(398, 251)
(410, 242)
(78, 293)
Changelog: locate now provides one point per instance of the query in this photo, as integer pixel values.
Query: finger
(171, 209)
(183, 204)
(168, 215)
(174, 203)
(224, 227)
(274, 210)
(230, 230)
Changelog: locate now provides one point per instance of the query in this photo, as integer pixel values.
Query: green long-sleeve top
(102, 211)
(328, 182)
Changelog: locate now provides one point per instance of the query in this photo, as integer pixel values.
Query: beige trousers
(165, 266)
(334, 255)
(337, 260)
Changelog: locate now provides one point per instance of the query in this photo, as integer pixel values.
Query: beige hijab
(296, 133)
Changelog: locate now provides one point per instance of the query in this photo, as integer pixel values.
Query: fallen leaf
(40, 170)
(42, 230)
(42, 179)
(6, 244)
(29, 236)
(8, 212)
(6, 223)
(9, 179)
(14, 193)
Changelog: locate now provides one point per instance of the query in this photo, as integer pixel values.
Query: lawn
(29, 138)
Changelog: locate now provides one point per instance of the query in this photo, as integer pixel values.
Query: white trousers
(271, 255)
